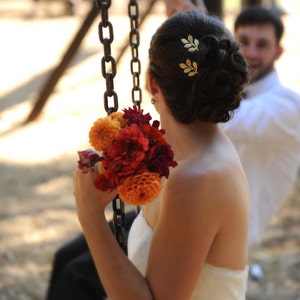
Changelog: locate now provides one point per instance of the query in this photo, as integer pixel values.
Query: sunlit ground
(37, 212)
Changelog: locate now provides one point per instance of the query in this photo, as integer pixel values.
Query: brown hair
(215, 91)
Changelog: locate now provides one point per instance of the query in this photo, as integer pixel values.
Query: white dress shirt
(265, 130)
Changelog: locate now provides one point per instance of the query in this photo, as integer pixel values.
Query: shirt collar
(264, 84)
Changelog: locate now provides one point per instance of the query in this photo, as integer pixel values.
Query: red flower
(160, 155)
(161, 160)
(103, 183)
(126, 154)
(136, 116)
(135, 155)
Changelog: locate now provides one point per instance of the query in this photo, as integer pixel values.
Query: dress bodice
(214, 283)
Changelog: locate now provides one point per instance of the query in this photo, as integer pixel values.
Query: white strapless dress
(213, 284)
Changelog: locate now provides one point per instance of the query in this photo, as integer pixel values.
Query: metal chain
(135, 64)
(108, 63)
(108, 69)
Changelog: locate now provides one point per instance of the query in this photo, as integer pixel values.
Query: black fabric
(74, 274)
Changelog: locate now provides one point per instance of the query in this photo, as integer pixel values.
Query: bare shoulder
(203, 205)
(213, 188)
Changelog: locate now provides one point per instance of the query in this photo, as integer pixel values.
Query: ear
(279, 52)
(152, 86)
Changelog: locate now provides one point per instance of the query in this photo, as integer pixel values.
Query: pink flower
(87, 159)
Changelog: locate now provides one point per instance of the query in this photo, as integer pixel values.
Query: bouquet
(133, 155)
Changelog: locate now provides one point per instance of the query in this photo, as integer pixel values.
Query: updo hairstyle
(215, 91)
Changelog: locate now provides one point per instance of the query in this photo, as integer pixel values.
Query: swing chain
(135, 64)
(108, 63)
(119, 222)
(108, 68)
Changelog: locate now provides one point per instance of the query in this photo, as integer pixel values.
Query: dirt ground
(37, 213)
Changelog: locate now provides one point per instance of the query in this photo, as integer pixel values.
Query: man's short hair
(258, 15)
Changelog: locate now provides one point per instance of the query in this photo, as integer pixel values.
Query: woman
(191, 241)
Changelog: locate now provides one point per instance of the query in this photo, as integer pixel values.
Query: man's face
(260, 48)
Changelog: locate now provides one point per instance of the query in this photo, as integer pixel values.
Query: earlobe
(151, 84)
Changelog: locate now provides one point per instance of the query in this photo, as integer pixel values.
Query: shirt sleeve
(268, 117)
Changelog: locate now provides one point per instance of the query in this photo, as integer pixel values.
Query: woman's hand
(175, 6)
(90, 202)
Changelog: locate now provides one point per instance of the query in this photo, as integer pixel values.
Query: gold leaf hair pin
(190, 67)
(191, 44)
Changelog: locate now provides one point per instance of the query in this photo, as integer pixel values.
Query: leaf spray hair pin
(190, 67)
(191, 44)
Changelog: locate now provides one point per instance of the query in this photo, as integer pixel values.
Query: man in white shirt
(266, 127)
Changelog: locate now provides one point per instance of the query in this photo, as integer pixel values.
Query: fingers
(81, 179)
(174, 7)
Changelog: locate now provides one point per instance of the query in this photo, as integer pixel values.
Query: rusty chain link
(135, 64)
(108, 63)
(109, 69)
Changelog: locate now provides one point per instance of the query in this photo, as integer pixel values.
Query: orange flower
(102, 133)
(100, 168)
(119, 116)
(140, 189)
